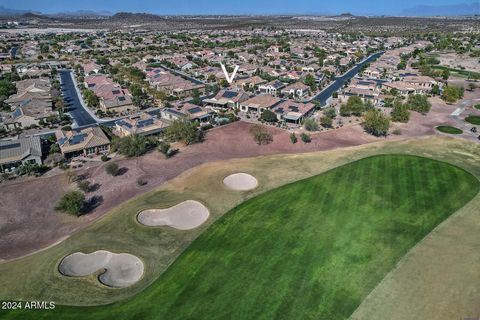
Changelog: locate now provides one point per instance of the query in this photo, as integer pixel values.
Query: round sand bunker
(183, 216)
(240, 182)
(121, 269)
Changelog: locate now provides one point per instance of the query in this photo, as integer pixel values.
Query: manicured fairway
(449, 129)
(473, 119)
(312, 249)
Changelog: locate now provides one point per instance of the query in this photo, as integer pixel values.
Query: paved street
(73, 101)
(326, 93)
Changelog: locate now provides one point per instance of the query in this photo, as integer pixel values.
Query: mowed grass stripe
(313, 249)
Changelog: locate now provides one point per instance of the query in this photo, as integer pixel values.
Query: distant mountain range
(15, 12)
(461, 9)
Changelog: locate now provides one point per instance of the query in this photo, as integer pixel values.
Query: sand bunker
(121, 269)
(240, 182)
(183, 216)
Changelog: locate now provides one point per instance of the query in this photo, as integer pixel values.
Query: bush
(326, 122)
(183, 130)
(419, 103)
(400, 112)
(268, 116)
(104, 158)
(72, 203)
(354, 106)
(306, 137)
(452, 93)
(112, 168)
(293, 138)
(330, 112)
(84, 185)
(131, 146)
(165, 148)
(261, 135)
(310, 124)
(376, 123)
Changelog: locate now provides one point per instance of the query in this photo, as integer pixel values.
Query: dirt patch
(121, 269)
(240, 182)
(186, 215)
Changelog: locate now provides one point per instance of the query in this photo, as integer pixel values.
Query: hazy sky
(171, 7)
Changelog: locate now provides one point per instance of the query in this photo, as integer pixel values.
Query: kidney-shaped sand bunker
(240, 181)
(121, 269)
(186, 215)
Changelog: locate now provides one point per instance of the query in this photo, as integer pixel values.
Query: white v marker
(229, 78)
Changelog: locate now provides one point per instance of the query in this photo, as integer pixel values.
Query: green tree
(72, 203)
(306, 137)
(183, 130)
(310, 124)
(293, 137)
(376, 123)
(112, 168)
(419, 103)
(268, 116)
(326, 122)
(131, 146)
(452, 93)
(400, 112)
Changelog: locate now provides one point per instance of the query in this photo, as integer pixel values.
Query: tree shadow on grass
(122, 171)
(91, 204)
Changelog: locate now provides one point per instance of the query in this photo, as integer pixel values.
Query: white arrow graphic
(229, 78)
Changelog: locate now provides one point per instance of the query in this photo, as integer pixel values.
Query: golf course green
(449, 129)
(312, 249)
(473, 119)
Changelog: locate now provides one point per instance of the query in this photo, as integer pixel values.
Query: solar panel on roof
(293, 108)
(144, 123)
(76, 139)
(115, 91)
(17, 113)
(121, 98)
(229, 94)
(10, 146)
(62, 140)
(195, 110)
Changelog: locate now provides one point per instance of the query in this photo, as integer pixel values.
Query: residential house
(143, 124)
(14, 153)
(293, 112)
(272, 87)
(82, 142)
(259, 103)
(227, 99)
(297, 89)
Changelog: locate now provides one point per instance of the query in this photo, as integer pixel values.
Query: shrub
(330, 112)
(183, 130)
(165, 148)
(104, 158)
(376, 123)
(452, 93)
(293, 138)
(112, 168)
(310, 124)
(306, 137)
(326, 122)
(400, 112)
(268, 116)
(419, 103)
(84, 185)
(72, 203)
(131, 146)
(260, 134)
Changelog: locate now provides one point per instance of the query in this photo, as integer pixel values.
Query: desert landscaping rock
(186, 215)
(121, 269)
(240, 182)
